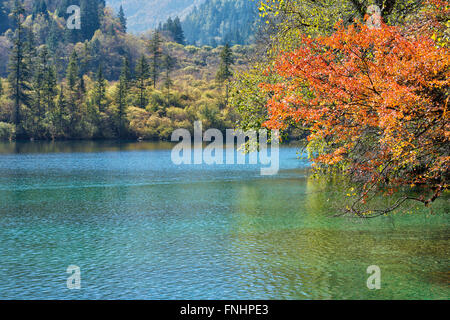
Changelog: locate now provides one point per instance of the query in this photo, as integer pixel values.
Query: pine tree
(173, 29)
(142, 75)
(156, 53)
(61, 116)
(122, 20)
(168, 64)
(81, 87)
(90, 18)
(169, 26)
(177, 32)
(72, 72)
(224, 73)
(121, 102)
(74, 88)
(126, 72)
(121, 97)
(1, 88)
(19, 70)
(35, 117)
(44, 89)
(50, 90)
(53, 37)
(30, 50)
(100, 91)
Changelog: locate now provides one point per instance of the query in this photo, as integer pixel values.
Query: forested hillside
(144, 15)
(205, 22)
(101, 82)
(44, 23)
(217, 22)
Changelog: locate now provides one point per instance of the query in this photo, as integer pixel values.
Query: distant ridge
(220, 22)
(147, 14)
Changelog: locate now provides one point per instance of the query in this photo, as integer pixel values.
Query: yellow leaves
(365, 97)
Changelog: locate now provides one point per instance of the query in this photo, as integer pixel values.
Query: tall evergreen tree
(177, 32)
(142, 76)
(49, 88)
(45, 91)
(90, 17)
(126, 72)
(75, 87)
(173, 29)
(61, 116)
(168, 64)
(53, 38)
(225, 73)
(156, 54)
(72, 72)
(37, 112)
(121, 98)
(100, 91)
(19, 70)
(122, 19)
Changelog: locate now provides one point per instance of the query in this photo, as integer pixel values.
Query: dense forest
(205, 22)
(145, 15)
(217, 22)
(101, 82)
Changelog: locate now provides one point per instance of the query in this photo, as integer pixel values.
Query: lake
(140, 227)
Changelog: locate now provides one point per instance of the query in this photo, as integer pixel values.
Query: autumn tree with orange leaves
(375, 102)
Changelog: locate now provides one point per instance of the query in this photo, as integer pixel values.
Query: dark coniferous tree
(45, 91)
(61, 116)
(90, 18)
(142, 76)
(168, 64)
(122, 19)
(177, 32)
(100, 90)
(121, 97)
(74, 89)
(173, 29)
(156, 54)
(19, 75)
(224, 73)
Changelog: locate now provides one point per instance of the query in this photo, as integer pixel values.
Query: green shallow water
(140, 227)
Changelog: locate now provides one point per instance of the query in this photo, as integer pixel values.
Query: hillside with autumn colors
(224, 150)
(363, 86)
(102, 82)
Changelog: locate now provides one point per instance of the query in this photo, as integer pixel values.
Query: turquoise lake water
(140, 227)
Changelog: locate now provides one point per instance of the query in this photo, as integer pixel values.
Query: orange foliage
(376, 97)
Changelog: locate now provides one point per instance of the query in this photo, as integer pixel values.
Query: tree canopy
(372, 100)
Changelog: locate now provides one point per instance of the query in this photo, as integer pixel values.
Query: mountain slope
(218, 22)
(145, 15)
